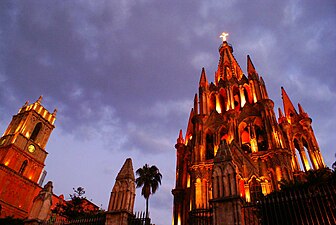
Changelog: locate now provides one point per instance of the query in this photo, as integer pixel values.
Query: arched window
(261, 138)
(298, 156)
(212, 105)
(36, 131)
(223, 100)
(245, 137)
(246, 95)
(255, 190)
(209, 153)
(306, 148)
(236, 98)
(23, 167)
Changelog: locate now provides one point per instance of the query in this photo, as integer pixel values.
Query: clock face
(31, 148)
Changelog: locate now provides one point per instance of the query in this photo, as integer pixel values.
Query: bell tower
(22, 156)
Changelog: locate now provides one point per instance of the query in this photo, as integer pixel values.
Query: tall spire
(288, 105)
(203, 80)
(228, 66)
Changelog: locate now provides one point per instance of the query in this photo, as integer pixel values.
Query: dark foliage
(149, 178)
(11, 221)
(76, 207)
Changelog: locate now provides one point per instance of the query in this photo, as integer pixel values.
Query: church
(235, 149)
(22, 157)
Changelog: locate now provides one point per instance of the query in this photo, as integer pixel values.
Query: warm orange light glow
(215, 149)
(188, 181)
(278, 173)
(276, 137)
(245, 137)
(223, 36)
(242, 97)
(306, 164)
(30, 177)
(247, 193)
(253, 93)
(254, 145)
(218, 107)
(7, 163)
(263, 189)
(198, 187)
(186, 141)
(179, 219)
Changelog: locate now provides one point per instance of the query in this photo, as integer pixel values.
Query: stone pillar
(122, 196)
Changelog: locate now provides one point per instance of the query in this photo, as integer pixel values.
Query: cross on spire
(224, 36)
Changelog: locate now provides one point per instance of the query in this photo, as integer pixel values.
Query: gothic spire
(280, 113)
(288, 105)
(203, 80)
(251, 71)
(190, 124)
(196, 104)
(301, 111)
(180, 139)
(228, 66)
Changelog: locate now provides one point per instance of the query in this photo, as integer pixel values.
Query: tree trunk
(147, 207)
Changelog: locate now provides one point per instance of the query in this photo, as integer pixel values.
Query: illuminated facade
(22, 156)
(234, 149)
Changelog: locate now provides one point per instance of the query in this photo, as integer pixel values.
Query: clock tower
(22, 156)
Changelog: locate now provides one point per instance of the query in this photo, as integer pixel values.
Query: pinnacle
(287, 103)
(126, 171)
(203, 80)
(250, 67)
(180, 139)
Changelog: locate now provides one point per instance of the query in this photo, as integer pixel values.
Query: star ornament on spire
(224, 36)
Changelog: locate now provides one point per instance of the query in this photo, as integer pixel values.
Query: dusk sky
(123, 75)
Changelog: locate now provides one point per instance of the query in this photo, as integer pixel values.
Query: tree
(77, 207)
(149, 178)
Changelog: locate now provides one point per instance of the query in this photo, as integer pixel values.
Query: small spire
(251, 71)
(282, 118)
(55, 112)
(190, 123)
(26, 104)
(280, 113)
(196, 104)
(180, 139)
(262, 80)
(301, 111)
(203, 80)
(287, 103)
(39, 99)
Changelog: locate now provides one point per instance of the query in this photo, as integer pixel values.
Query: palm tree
(149, 178)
